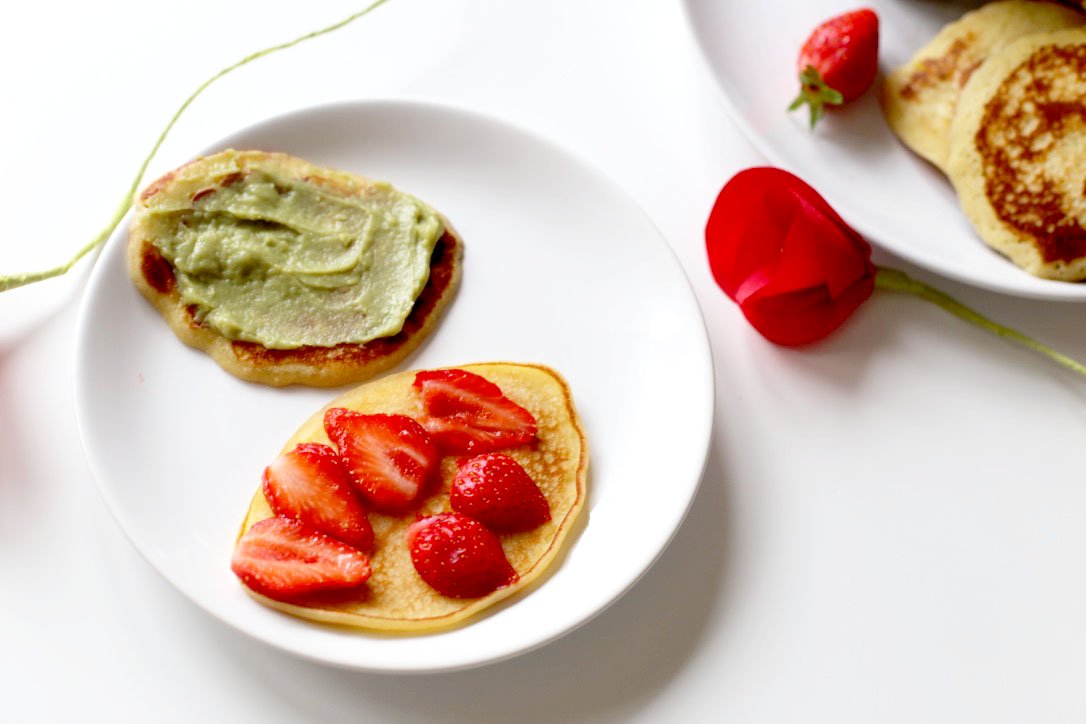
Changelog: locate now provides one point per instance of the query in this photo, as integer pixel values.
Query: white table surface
(890, 525)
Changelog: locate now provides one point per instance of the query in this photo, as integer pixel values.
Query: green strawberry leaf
(815, 93)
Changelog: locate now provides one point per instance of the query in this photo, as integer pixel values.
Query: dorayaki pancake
(1018, 153)
(919, 98)
(289, 273)
(395, 598)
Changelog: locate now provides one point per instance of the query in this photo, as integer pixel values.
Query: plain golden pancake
(920, 98)
(395, 598)
(1018, 153)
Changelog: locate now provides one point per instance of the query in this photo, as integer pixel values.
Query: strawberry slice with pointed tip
(457, 556)
(495, 490)
(285, 559)
(309, 483)
(467, 413)
(389, 458)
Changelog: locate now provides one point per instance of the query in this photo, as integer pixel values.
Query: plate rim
(706, 417)
(1052, 291)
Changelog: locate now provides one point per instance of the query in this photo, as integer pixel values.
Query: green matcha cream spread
(285, 254)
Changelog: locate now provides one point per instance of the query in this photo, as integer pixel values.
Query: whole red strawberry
(457, 556)
(495, 490)
(838, 62)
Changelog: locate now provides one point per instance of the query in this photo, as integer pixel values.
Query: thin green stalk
(898, 281)
(12, 281)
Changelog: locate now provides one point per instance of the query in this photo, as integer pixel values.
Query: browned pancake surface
(1019, 139)
(920, 98)
(1018, 153)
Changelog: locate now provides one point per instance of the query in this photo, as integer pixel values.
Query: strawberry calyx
(815, 93)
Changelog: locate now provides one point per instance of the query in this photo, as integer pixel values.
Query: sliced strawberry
(309, 483)
(495, 490)
(389, 458)
(283, 559)
(467, 413)
(457, 556)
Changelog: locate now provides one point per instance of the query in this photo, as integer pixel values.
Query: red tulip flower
(778, 250)
(798, 271)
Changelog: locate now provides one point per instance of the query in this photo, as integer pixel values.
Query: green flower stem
(898, 281)
(13, 281)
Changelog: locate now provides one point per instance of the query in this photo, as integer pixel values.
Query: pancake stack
(997, 101)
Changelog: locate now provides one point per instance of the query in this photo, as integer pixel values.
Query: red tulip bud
(797, 270)
(778, 250)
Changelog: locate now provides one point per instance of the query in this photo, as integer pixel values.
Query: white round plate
(889, 194)
(560, 268)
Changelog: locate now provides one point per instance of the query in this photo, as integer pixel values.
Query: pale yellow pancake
(1018, 153)
(919, 98)
(397, 599)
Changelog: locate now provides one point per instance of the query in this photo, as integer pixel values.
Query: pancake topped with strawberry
(419, 499)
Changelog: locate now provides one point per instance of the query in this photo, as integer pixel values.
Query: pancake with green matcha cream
(1018, 153)
(919, 99)
(396, 599)
(289, 273)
